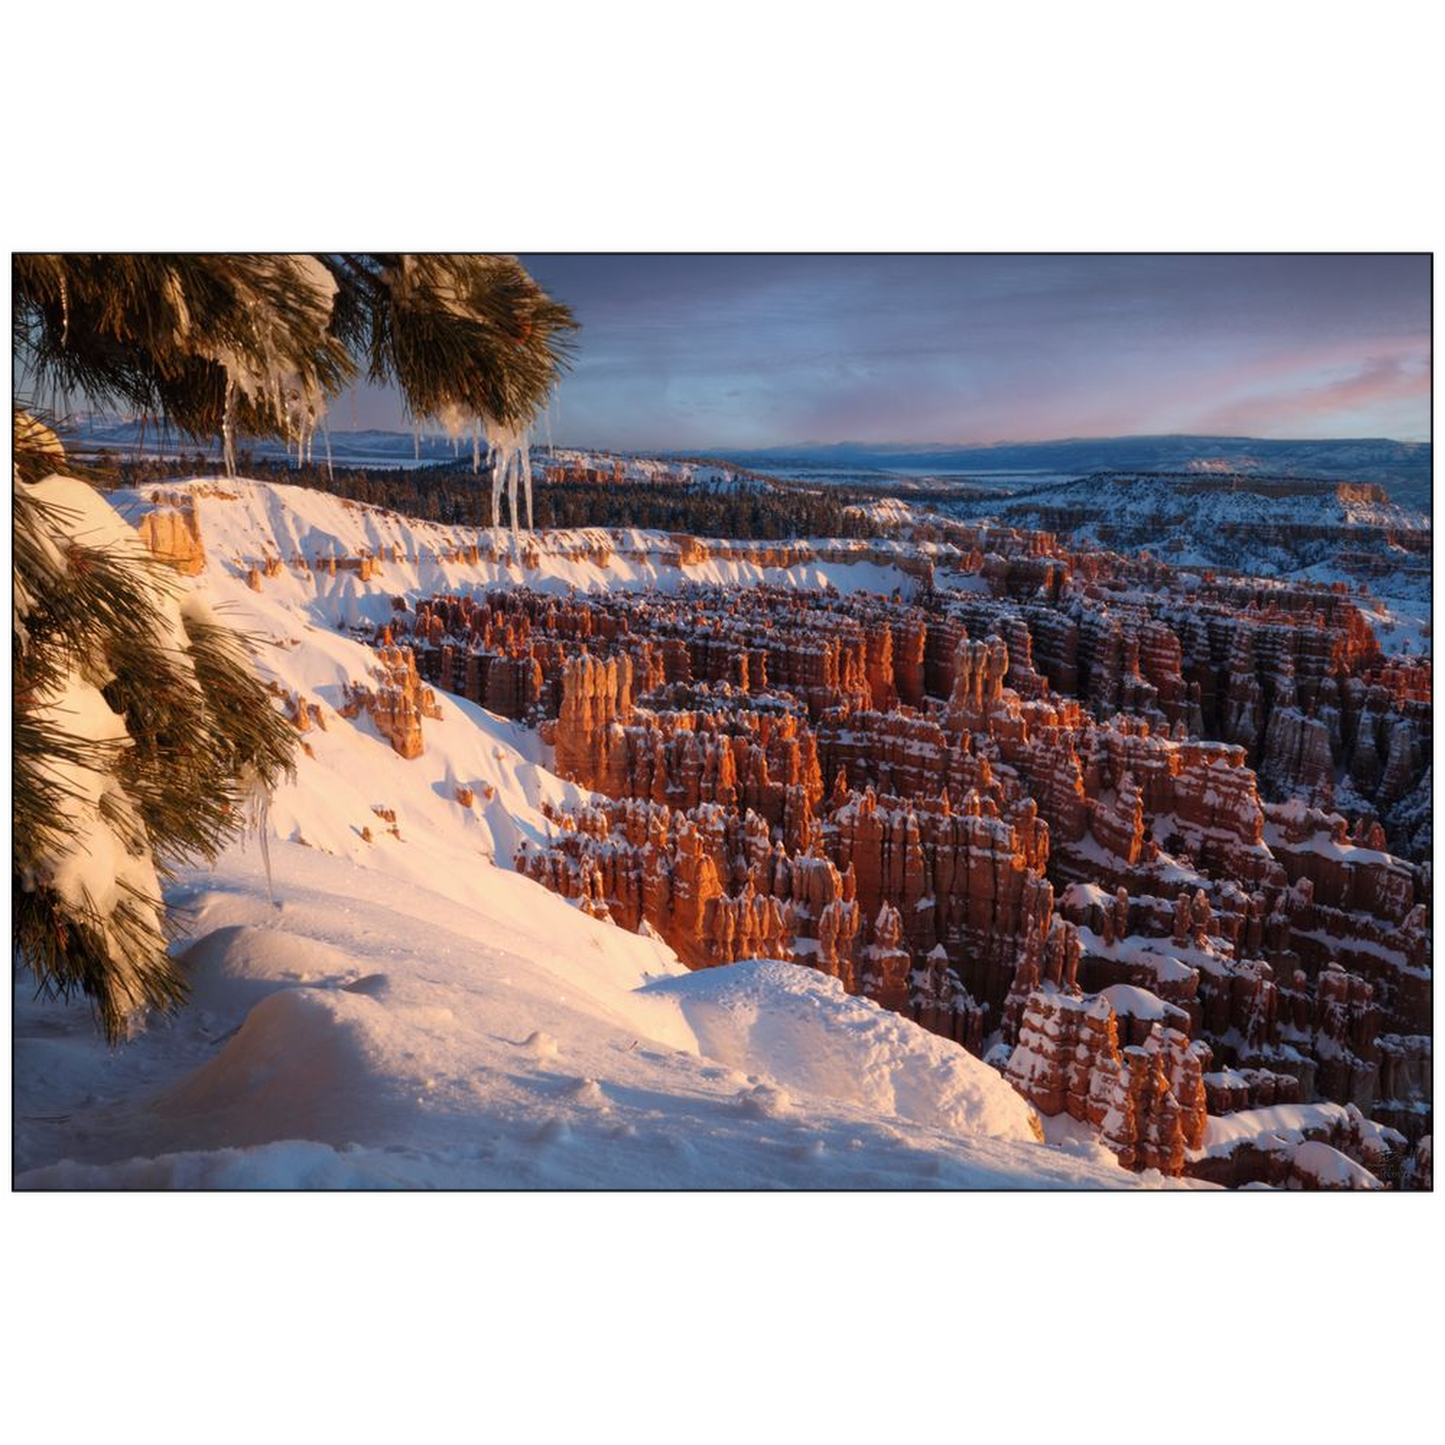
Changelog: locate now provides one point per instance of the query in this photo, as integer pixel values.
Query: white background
(1233, 126)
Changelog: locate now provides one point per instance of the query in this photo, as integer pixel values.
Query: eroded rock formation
(1134, 829)
(396, 701)
(174, 535)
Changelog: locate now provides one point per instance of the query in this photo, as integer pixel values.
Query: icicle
(514, 465)
(511, 462)
(416, 440)
(326, 436)
(496, 459)
(228, 427)
(476, 447)
(64, 312)
(256, 806)
(266, 853)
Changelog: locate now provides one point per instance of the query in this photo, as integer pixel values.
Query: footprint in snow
(373, 985)
(588, 1091)
(554, 1131)
(764, 1101)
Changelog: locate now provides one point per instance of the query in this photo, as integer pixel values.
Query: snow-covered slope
(298, 623)
(405, 1012)
(355, 1034)
(1312, 531)
(243, 521)
(1137, 498)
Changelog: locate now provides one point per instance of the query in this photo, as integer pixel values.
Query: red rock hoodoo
(1151, 841)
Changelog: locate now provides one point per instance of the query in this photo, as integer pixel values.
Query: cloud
(756, 350)
(1379, 389)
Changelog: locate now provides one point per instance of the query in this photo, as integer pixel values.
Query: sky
(701, 351)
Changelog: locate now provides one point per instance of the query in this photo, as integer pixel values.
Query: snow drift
(815, 1038)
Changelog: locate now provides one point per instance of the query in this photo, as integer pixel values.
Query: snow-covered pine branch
(141, 732)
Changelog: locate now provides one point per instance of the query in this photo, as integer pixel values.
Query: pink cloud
(1378, 386)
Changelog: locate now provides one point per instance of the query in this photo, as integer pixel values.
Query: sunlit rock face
(1155, 843)
(395, 699)
(173, 534)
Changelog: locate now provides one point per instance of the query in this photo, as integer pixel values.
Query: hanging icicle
(262, 372)
(228, 427)
(255, 812)
(496, 461)
(514, 466)
(527, 464)
(510, 457)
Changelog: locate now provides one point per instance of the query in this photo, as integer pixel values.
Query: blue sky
(742, 351)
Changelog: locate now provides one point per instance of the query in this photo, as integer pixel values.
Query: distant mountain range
(354, 448)
(1401, 467)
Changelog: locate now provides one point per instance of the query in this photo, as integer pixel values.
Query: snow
(815, 1037)
(86, 516)
(367, 1034)
(1400, 624)
(1120, 497)
(966, 582)
(888, 512)
(1332, 1169)
(1281, 1123)
(1244, 525)
(245, 520)
(411, 1012)
(1139, 1003)
(1347, 853)
(1169, 962)
(96, 860)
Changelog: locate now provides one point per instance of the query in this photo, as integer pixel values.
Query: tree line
(455, 496)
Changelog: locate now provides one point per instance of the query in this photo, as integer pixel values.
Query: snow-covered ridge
(390, 1004)
(244, 522)
(1206, 500)
(1294, 529)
